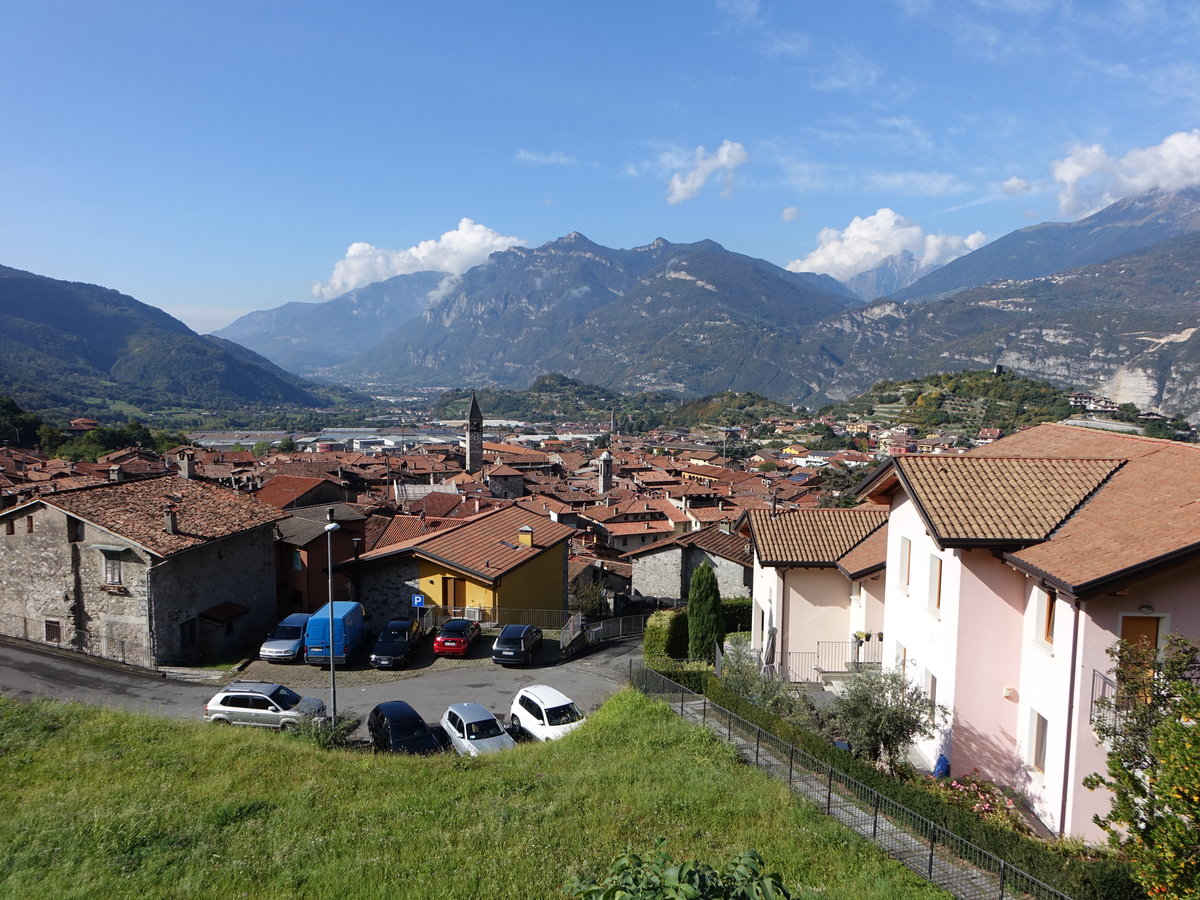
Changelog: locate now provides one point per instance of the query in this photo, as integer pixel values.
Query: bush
(659, 877)
(1079, 878)
(665, 647)
(737, 611)
(326, 734)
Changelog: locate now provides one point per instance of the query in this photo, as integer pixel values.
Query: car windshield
(456, 628)
(287, 633)
(406, 729)
(392, 635)
(563, 715)
(485, 728)
(285, 698)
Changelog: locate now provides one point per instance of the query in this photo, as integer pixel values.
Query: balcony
(831, 661)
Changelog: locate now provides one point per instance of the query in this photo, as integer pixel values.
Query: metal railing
(847, 656)
(609, 629)
(552, 619)
(78, 640)
(938, 855)
(1103, 689)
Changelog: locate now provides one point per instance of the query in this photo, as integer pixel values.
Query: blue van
(349, 633)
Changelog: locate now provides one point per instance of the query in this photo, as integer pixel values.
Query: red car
(455, 638)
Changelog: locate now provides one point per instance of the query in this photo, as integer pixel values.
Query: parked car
(473, 730)
(286, 642)
(543, 713)
(396, 642)
(516, 644)
(349, 633)
(395, 727)
(262, 704)
(455, 638)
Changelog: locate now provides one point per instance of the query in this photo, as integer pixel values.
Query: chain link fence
(941, 857)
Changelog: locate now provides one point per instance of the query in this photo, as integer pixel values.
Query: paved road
(588, 679)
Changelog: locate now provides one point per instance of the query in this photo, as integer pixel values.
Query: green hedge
(1078, 878)
(737, 613)
(665, 650)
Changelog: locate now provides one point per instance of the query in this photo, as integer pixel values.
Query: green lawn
(102, 804)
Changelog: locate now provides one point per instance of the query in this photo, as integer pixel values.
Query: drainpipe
(1062, 812)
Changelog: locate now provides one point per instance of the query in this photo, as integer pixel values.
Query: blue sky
(218, 157)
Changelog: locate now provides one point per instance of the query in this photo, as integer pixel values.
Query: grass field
(102, 804)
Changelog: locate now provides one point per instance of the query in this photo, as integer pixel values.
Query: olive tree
(880, 714)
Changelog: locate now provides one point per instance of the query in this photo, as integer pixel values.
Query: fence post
(932, 841)
(829, 793)
(875, 818)
(791, 757)
(757, 742)
(704, 710)
(729, 727)
(681, 700)
(1003, 867)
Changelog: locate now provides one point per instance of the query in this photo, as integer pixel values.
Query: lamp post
(330, 528)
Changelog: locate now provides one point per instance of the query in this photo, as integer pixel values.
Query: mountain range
(1108, 304)
(67, 345)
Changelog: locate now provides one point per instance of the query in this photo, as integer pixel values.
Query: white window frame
(905, 573)
(112, 569)
(935, 583)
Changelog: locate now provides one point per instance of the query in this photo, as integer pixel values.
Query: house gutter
(1066, 782)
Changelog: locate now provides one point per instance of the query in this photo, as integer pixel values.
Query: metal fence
(608, 629)
(552, 619)
(830, 657)
(936, 854)
(64, 636)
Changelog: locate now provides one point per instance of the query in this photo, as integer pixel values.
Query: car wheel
(287, 726)
(514, 725)
(220, 721)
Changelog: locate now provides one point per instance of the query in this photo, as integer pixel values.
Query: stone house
(153, 571)
(665, 569)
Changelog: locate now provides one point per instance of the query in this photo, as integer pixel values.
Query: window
(10, 527)
(1037, 743)
(1049, 602)
(297, 561)
(901, 657)
(187, 633)
(905, 556)
(112, 569)
(53, 632)
(935, 582)
(29, 524)
(931, 685)
(74, 529)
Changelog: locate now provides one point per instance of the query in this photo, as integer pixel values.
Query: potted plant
(879, 636)
(861, 637)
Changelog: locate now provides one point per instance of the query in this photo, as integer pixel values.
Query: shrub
(326, 734)
(881, 713)
(736, 611)
(665, 647)
(658, 877)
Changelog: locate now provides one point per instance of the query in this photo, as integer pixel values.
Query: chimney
(170, 520)
(525, 536)
(115, 475)
(187, 463)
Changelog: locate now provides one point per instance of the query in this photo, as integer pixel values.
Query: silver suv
(263, 704)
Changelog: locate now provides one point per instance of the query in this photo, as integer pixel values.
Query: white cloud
(454, 252)
(686, 185)
(790, 214)
(916, 184)
(866, 242)
(1014, 186)
(554, 158)
(1091, 179)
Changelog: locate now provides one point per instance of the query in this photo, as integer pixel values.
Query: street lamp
(330, 528)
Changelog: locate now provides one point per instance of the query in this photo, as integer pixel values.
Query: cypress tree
(704, 614)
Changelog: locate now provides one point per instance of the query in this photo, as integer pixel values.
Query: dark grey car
(516, 645)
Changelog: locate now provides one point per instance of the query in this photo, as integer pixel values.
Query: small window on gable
(935, 582)
(112, 569)
(1049, 602)
(74, 529)
(1037, 742)
(10, 527)
(905, 559)
(29, 524)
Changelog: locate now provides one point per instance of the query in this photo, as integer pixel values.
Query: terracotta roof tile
(135, 510)
(972, 498)
(812, 537)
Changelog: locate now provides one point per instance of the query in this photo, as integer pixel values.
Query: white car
(473, 730)
(543, 713)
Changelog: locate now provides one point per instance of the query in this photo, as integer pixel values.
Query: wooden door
(1140, 630)
(1133, 681)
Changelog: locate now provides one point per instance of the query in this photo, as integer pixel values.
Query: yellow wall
(538, 584)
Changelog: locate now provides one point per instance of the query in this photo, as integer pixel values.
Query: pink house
(1011, 570)
(817, 579)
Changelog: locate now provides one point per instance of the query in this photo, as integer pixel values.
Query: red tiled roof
(811, 537)
(135, 511)
(283, 490)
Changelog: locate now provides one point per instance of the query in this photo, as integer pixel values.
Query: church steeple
(474, 437)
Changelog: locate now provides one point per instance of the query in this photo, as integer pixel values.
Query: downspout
(1066, 783)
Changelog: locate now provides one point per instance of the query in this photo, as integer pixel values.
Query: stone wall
(385, 589)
